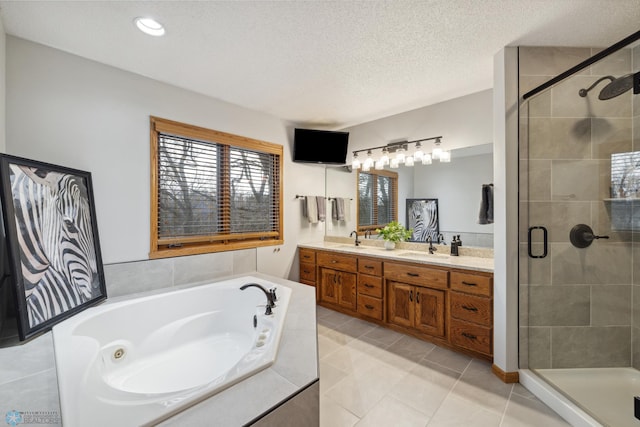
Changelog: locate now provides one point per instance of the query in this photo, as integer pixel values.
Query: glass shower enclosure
(579, 272)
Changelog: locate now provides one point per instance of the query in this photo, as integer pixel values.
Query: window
(377, 199)
(212, 191)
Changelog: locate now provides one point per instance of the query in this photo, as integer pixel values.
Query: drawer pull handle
(468, 283)
(306, 256)
(418, 297)
(411, 296)
(413, 274)
(307, 271)
(470, 336)
(469, 308)
(368, 307)
(370, 267)
(366, 285)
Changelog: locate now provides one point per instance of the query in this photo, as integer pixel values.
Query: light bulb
(394, 164)
(385, 156)
(445, 157)
(379, 165)
(418, 154)
(426, 159)
(355, 163)
(408, 161)
(436, 153)
(400, 155)
(149, 26)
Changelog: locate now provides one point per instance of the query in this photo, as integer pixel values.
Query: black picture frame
(423, 219)
(52, 244)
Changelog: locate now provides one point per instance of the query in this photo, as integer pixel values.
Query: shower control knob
(582, 236)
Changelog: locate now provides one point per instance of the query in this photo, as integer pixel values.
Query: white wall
(462, 122)
(71, 111)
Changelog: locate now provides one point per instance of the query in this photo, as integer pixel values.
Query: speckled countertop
(477, 259)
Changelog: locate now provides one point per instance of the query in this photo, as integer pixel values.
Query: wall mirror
(456, 185)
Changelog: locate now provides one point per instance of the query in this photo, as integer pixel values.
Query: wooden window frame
(215, 242)
(394, 186)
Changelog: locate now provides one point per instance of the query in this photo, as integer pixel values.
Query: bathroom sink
(423, 255)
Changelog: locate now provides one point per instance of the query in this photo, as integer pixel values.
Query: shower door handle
(545, 241)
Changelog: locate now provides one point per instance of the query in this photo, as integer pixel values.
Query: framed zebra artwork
(422, 217)
(51, 243)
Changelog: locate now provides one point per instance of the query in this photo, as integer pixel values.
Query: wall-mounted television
(320, 146)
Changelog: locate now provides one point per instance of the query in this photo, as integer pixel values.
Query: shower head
(616, 87)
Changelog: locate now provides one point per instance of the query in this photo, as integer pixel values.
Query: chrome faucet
(431, 248)
(271, 296)
(357, 242)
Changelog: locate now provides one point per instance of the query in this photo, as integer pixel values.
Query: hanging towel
(347, 209)
(310, 209)
(334, 208)
(322, 208)
(486, 205)
(340, 208)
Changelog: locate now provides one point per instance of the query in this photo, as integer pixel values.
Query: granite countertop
(476, 259)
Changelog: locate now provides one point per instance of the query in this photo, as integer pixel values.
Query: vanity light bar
(400, 149)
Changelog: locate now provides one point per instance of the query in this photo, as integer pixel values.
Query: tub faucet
(357, 242)
(271, 294)
(431, 248)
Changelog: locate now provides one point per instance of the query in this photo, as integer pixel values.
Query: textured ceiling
(322, 63)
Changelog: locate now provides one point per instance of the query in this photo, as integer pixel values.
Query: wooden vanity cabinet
(370, 289)
(471, 314)
(419, 304)
(337, 279)
(307, 266)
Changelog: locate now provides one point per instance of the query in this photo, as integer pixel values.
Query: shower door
(579, 216)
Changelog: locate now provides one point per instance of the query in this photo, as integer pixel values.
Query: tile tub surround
(29, 370)
(371, 376)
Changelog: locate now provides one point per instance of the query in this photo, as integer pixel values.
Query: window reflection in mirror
(377, 202)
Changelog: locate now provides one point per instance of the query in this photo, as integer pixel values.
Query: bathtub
(141, 360)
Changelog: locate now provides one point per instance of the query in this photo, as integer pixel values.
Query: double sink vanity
(444, 299)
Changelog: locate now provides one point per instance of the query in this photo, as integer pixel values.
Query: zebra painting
(422, 217)
(52, 233)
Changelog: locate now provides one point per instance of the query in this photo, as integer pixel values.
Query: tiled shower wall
(576, 304)
(28, 381)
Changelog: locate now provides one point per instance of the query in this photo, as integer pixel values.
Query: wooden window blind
(212, 191)
(377, 199)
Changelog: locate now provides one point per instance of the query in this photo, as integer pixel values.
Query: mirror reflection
(458, 187)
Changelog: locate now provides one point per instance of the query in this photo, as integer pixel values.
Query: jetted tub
(141, 360)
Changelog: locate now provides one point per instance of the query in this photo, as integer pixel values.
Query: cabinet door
(429, 311)
(347, 285)
(328, 285)
(400, 306)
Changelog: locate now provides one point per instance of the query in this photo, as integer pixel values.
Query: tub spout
(270, 296)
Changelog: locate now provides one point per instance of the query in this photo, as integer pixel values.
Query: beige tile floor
(372, 376)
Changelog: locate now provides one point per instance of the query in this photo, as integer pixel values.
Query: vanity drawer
(370, 307)
(470, 336)
(307, 272)
(417, 275)
(370, 285)
(471, 308)
(338, 261)
(307, 256)
(370, 266)
(472, 283)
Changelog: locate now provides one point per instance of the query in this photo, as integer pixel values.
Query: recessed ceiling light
(149, 26)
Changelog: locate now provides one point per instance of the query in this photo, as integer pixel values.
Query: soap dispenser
(454, 246)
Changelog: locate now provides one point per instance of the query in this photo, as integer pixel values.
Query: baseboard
(505, 377)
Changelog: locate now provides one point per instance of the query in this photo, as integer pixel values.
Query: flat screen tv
(320, 146)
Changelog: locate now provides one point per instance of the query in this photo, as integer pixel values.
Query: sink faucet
(271, 296)
(367, 234)
(357, 242)
(441, 239)
(431, 248)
